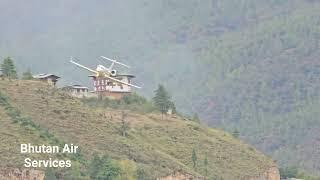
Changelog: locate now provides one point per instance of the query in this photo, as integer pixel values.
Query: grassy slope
(12, 135)
(160, 146)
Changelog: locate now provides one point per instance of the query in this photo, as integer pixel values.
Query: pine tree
(8, 69)
(206, 164)
(196, 118)
(27, 75)
(124, 125)
(236, 133)
(162, 100)
(103, 168)
(194, 158)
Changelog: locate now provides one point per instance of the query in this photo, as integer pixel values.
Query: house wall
(104, 84)
(51, 81)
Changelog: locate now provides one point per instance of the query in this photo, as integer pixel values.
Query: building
(51, 79)
(108, 88)
(79, 91)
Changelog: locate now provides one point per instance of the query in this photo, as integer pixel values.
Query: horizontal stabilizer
(115, 61)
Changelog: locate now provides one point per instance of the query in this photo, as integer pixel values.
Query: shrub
(103, 168)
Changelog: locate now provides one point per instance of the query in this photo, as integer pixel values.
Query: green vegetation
(196, 118)
(8, 69)
(133, 102)
(194, 159)
(151, 148)
(236, 133)
(206, 163)
(103, 168)
(27, 75)
(162, 100)
(293, 172)
(124, 125)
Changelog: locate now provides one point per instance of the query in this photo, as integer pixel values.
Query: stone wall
(21, 174)
(179, 175)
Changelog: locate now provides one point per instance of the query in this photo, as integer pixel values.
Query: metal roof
(42, 76)
(76, 86)
(79, 87)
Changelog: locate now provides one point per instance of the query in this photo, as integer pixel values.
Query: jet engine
(113, 72)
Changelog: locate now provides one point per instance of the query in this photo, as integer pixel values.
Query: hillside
(246, 65)
(157, 146)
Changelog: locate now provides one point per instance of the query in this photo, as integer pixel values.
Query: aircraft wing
(82, 66)
(116, 80)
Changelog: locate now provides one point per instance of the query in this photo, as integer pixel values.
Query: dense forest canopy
(251, 65)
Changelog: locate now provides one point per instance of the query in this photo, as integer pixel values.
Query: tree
(206, 164)
(194, 158)
(172, 106)
(196, 118)
(124, 124)
(129, 170)
(94, 166)
(236, 133)
(289, 172)
(50, 174)
(8, 69)
(162, 100)
(141, 175)
(103, 168)
(27, 75)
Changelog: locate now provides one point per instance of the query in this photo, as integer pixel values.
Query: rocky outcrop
(179, 175)
(21, 174)
(272, 174)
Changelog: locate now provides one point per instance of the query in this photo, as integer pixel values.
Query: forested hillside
(248, 65)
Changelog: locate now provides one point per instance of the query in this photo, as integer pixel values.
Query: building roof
(118, 75)
(79, 87)
(76, 86)
(44, 75)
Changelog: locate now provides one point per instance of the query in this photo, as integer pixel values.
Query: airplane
(102, 71)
